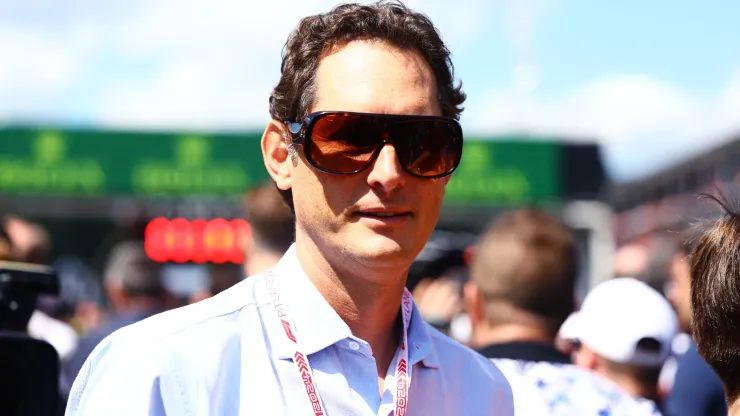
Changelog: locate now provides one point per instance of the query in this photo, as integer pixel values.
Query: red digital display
(200, 241)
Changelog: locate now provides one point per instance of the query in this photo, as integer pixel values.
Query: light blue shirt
(228, 355)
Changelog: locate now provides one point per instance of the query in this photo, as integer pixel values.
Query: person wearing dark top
(521, 290)
(715, 301)
(696, 391)
(134, 287)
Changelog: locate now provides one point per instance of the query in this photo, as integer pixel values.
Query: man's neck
(734, 409)
(631, 386)
(258, 261)
(367, 300)
(484, 335)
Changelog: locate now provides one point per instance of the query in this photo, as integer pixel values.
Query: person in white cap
(623, 332)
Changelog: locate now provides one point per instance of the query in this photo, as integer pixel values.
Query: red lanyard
(403, 371)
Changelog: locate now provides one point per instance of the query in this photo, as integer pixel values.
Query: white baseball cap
(617, 315)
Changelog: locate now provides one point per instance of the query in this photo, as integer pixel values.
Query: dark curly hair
(387, 21)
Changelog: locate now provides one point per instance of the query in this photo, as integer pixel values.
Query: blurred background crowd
(541, 301)
(130, 164)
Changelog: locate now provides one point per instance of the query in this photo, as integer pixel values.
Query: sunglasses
(347, 143)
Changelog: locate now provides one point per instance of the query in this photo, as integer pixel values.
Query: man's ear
(474, 306)
(586, 358)
(276, 156)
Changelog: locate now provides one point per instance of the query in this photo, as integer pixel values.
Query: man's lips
(383, 212)
(383, 216)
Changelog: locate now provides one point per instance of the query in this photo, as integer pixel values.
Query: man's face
(679, 292)
(370, 77)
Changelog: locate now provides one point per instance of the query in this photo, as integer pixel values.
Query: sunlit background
(113, 105)
(140, 120)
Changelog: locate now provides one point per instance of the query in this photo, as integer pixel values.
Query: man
(623, 333)
(133, 285)
(715, 300)
(27, 242)
(271, 229)
(31, 243)
(521, 291)
(696, 388)
(331, 329)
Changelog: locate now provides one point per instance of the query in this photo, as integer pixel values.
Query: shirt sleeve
(502, 393)
(117, 380)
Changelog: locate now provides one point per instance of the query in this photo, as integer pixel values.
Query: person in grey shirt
(362, 143)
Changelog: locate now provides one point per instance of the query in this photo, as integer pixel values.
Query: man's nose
(386, 172)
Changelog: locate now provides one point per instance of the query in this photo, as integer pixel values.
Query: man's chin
(382, 249)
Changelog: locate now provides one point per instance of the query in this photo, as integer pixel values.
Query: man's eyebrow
(421, 110)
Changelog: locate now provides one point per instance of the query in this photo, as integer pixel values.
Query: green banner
(123, 163)
(506, 173)
(90, 163)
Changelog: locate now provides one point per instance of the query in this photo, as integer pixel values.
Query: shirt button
(354, 346)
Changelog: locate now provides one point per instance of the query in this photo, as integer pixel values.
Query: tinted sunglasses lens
(344, 143)
(347, 143)
(428, 147)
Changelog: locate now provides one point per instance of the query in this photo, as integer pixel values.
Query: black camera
(29, 368)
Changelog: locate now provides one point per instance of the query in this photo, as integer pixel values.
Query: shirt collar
(421, 347)
(318, 324)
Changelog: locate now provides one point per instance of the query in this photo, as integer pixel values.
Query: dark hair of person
(715, 294)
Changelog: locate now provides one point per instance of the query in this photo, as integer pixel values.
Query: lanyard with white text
(403, 371)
